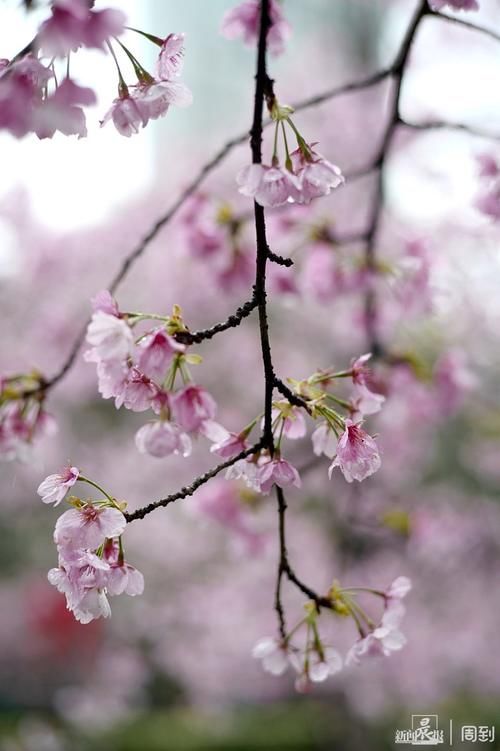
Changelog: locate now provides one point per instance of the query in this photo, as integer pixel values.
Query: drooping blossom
(383, 640)
(192, 406)
(139, 392)
(162, 438)
(324, 441)
(74, 23)
(54, 487)
(365, 400)
(454, 4)
(22, 422)
(110, 337)
(62, 111)
(294, 424)
(226, 444)
(170, 60)
(154, 99)
(247, 471)
(278, 472)
(399, 588)
(273, 654)
(82, 577)
(122, 578)
(316, 175)
(126, 115)
(155, 352)
(243, 21)
(87, 526)
(315, 666)
(22, 86)
(106, 303)
(268, 186)
(357, 456)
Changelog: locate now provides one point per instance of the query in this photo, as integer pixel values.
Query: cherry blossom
(316, 175)
(192, 406)
(110, 337)
(155, 352)
(324, 441)
(170, 59)
(139, 392)
(357, 454)
(273, 655)
(162, 438)
(60, 111)
(383, 640)
(315, 666)
(126, 115)
(269, 186)
(242, 22)
(54, 487)
(73, 24)
(22, 84)
(278, 472)
(88, 526)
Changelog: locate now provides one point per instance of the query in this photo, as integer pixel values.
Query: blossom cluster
(91, 562)
(37, 94)
(304, 175)
(316, 661)
(23, 418)
(142, 373)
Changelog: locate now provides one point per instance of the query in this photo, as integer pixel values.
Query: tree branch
(397, 74)
(190, 489)
(234, 320)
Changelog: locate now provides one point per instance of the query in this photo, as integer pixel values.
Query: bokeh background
(173, 669)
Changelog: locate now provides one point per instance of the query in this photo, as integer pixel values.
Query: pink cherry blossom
(110, 337)
(454, 4)
(154, 99)
(126, 115)
(106, 303)
(247, 471)
(88, 526)
(155, 352)
(61, 112)
(140, 391)
(112, 379)
(382, 641)
(324, 441)
(317, 668)
(170, 59)
(294, 424)
(21, 89)
(357, 454)
(191, 406)
(162, 439)
(278, 472)
(73, 24)
(228, 444)
(242, 22)
(399, 588)
(54, 487)
(268, 186)
(316, 176)
(82, 578)
(365, 400)
(273, 655)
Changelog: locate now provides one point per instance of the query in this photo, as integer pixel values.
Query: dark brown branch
(190, 489)
(263, 92)
(234, 320)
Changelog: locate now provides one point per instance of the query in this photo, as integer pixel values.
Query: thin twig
(234, 320)
(190, 489)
